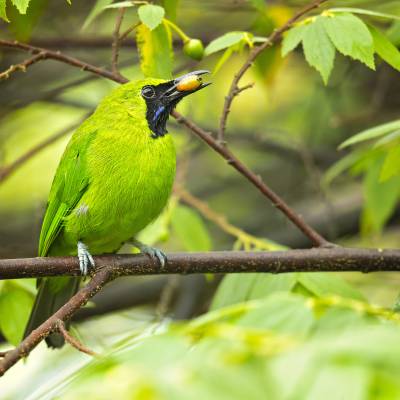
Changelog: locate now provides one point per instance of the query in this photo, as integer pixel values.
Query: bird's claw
(86, 261)
(154, 254)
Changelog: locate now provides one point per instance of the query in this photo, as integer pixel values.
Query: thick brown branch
(52, 324)
(310, 260)
(275, 36)
(60, 325)
(256, 180)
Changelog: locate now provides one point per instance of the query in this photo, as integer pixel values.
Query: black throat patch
(158, 109)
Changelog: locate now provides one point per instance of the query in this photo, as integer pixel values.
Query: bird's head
(162, 96)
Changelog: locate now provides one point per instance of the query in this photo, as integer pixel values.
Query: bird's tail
(52, 294)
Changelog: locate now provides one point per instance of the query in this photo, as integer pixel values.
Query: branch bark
(117, 41)
(310, 260)
(275, 36)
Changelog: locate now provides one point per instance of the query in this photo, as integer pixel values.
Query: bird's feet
(152, 252)
(85, 259)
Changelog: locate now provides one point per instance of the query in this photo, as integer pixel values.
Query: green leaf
(322, 284)
(22, 5)
(237, 288)
(391, 165)
(95, 12)
(380, 197)
(171, 8)
(223, 59)
(351, 37)
(293, 38)
(227, 40)
(385, 48)
(151, 15)
(22, 25)
(372, 133)
(155, 50)
(363, 12)
(190, 229)
(15, 307)
(3, 14)
(318, 49)
(281, 313)
(121, 4)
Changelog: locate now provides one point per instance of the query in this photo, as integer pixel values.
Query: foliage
(305, 336)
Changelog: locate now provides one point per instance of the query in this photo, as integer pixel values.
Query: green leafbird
(114, 178)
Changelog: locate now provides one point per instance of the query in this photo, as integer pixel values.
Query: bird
(114, 178)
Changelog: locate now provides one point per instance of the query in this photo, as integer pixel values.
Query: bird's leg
(150, 251)
(85, 259)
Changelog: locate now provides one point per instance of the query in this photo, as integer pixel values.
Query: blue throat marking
(158, 113)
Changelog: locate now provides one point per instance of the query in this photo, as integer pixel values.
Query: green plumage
(112, 181)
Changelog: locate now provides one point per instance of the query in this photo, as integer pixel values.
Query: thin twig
(8, 170)
(256, 180)
(221, 221)
(275, 36)
(117, 41)
(73, 341)
(51, 325)
(21, 66)
(125, 34)
(58, 56)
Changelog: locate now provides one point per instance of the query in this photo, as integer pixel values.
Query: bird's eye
(148, 92)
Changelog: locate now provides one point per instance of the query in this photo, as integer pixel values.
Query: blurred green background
(287, 128)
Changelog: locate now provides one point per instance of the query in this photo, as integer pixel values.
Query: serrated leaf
(318, 49)
(293, 38)
(151, 15)
(364, 12)
(227, 40)
(391, 165)
(371, 133)
(380, 197)
(22, 5)
(385, 48)
(190, 229)
(15, 307)
(3, 14)
(155, 50)
(351, 37)
(98, 8)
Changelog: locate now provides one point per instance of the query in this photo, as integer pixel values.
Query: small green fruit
(194, 49)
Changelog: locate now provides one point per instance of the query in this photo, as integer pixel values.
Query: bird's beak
(185, 85)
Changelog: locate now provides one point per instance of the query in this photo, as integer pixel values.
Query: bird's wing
(69, 185)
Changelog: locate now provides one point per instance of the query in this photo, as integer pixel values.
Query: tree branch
(60, 325)
(116, 41)
(256, 180)
(11, 357)
(113, 266)
(310, 260)
(58, 56)
(21, 66)
(275, 36)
